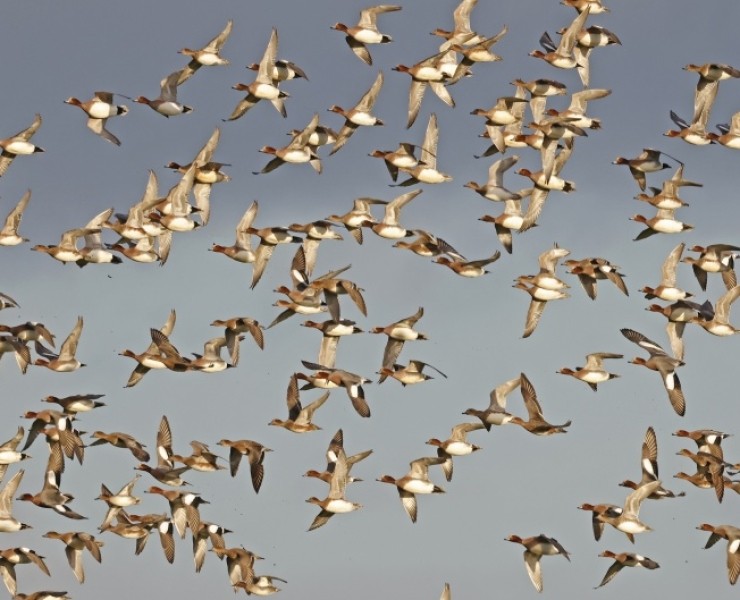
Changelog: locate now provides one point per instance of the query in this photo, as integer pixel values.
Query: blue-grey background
(517, 483)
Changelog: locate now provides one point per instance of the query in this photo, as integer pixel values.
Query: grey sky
(517, 483)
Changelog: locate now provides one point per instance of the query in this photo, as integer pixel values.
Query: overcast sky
(518, 483)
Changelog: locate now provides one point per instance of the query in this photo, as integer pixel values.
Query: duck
(409, 374)
(536, 423)
(502, 113)
(9, 232)
(554, 129)
(707, 440)
(165, 471)
(593, 372)
(332, 331)
(595, 6)
(426, 73)
(239, 562)
(98, 110)
(207, 56)
(263, 87)
(731, 137)
(359, 115)
(539, 298)
(152, 357)
(132, 226)
(93, 251)
(18, 348)
(546, 277)
(715, 258)
(123, 499)
(667, 195)
(335, 501)
(330, 378)
(507, 136)
(710, 76)
(234, 327)
(366, 31)
(7, 302)
(298, 151)
(597, 510)
(269, 238)
(358, 217)
(241, 251)
(667, 289)
(166, 103)
(719, 324)
(207, 173)
(663, 222)
(255, 455)
(575, 114)
(662, 363)
(67, 250)
(426, 170)
(76, 403)
(201, 459)
(709, 471)
(456, 445)
(512, 219)
(50, 496)
(398, 333)
(316, 232)
(30, 331)
(416, 481)
(732, 535)
(543, 187)
(462, 33)
(628, 521)
(207, 532)
(562, 56)
(290, 308)
(65, 361)
(121, 440)
(402, 157)
(428, 244)
(680, 313)
(468, 268)
(494, 189)
(41, 420)
(588, 38)
(539, 90)
(183, 506)
(42, 595)
(129, 529)
(590, 270)
(336, 444)
(694, 133)
(535, 548)
(19, 144)
(259, 585)
(19, 556)
(648, 161)
(624, 559)
(649, 468)
(282, 70)
(480, 51)
(496, 413)
(8, 523)
(210, 361)
(390, 227)
(176, 211)
(299, 417)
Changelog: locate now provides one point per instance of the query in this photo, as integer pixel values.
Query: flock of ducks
(145, 233)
